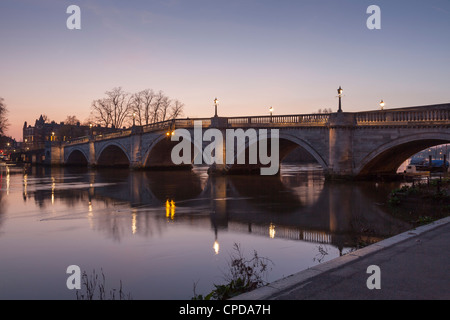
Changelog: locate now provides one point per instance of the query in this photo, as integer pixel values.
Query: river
(159, 233)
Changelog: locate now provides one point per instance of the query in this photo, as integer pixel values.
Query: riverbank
(413, 264)
(421, 203)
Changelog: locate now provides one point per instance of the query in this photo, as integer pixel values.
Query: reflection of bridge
(266, 206)
(343, 143)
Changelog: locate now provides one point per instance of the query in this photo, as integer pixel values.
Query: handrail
(78, 140)
(403, 116)
(175, 123)
(314, 119)
(112, 135)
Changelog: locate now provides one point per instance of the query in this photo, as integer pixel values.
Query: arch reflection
(297, 205)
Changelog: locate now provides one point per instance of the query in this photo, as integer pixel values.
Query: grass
(93, 287)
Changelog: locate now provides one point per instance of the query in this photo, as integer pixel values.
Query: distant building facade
(35, 137)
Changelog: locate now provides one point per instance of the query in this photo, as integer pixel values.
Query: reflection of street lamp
(216, 247)
(381, 104)
(216, 102)
(340, 95)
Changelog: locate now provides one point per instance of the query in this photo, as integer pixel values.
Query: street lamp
(340, 95)
(53, 136)
(271, 112)
(381, 104)
(216, 102)
(134, 118)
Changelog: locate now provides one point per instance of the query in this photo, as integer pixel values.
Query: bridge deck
(425, 116)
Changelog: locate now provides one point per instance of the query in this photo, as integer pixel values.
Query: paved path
(413, 265)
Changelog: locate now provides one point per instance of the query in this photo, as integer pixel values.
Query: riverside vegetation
(94, 287)
(421, 203)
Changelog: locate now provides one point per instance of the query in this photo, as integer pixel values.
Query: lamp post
(271, 112)
(340, 95)
(216, 102)
(381, 105)
(134, 119)
(53, 136)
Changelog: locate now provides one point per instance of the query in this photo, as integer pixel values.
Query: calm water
(161, 232)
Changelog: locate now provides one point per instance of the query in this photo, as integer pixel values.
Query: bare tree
(71, 120)
(120, 102)
(4, 124)
(325, 110)
(176, 109)
(142, 106)
(114, 109)
(164, 108)
(101, 113)
(45, 118)
(136, 103)
(160, 99)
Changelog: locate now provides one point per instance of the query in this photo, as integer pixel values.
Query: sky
(250, 54)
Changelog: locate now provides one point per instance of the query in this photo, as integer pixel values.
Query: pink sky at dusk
(251, 55)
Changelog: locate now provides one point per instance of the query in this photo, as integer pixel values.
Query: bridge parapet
(320, 119)
(113, 135)
(432, 114)
(78, 140)
(174, 124)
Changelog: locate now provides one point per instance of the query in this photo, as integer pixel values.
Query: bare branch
(4, 124)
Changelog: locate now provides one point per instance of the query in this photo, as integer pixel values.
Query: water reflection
(162, 231)
(297, 205)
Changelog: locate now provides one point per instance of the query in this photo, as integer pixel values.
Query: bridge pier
(219, 166)
(53, 154)
(340, 163)
(92, 162)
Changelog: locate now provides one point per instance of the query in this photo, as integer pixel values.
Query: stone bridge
(351, 144)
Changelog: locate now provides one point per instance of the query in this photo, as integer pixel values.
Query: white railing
(319, 119)
(78, 140)
(118, 134)
(174, 124)
(403, 116)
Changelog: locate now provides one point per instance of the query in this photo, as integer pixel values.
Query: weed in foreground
(244, 275)
(93, 287)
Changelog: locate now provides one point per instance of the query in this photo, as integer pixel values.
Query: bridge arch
(76, 157)
(388, 157)
(113, 154)
(288, 141)
(305, 145)
(159, 153)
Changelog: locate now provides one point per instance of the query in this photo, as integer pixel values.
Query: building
(35, 137)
